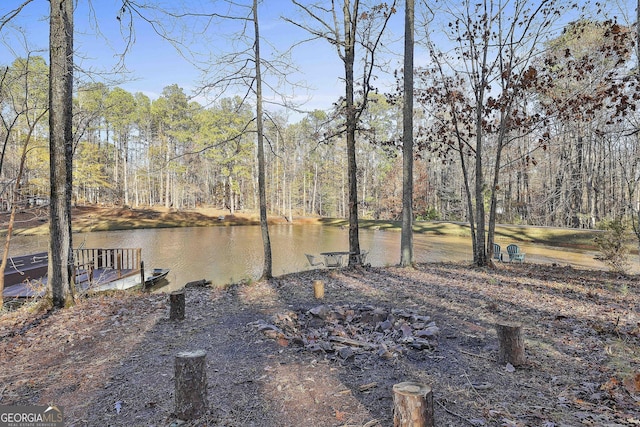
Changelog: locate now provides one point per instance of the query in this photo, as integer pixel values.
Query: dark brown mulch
(109, 360)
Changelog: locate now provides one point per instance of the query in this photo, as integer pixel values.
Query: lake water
(227, 254)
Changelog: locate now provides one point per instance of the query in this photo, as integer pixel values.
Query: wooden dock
(94, 270)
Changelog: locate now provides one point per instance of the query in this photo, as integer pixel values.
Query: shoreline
(98, 218)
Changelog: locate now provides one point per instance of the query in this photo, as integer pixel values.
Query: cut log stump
(176, 301)
(191, 384)
(412, 405)
(318, 289)
(511, 343)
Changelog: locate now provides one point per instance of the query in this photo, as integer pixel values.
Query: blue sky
(154, 64)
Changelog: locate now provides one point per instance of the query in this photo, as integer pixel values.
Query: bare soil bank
(99, 218)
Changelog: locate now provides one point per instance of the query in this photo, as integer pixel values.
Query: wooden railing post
(119, 263)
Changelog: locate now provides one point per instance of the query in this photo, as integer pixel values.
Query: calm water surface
(230, 254)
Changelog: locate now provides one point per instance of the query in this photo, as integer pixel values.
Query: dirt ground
(109, 360)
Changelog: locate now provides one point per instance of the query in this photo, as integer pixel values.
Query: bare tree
(240, 68)
(264, 227)
(478, 90)
(406, 243)
(60, 272)
(31, 112)
(346, 35)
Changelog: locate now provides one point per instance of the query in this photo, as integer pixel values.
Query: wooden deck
(95, 270)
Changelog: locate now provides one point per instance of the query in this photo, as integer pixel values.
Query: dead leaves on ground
(348, 331)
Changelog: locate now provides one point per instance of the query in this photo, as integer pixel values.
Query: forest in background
(571, 156)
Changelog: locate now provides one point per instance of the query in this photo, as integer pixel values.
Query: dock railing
(123, 261)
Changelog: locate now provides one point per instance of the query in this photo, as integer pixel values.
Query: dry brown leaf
(611, 384)
(632, 383)
(283, 342)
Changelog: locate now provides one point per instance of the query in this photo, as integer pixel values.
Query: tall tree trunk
(167, 185)
(231, 196)
(125, 170)
(635, 210)
(406, 243)
(480, 254)
(266, 242)
(479, 257)
(576, 190)
(314, 210)
(351, 118)
(60, 271)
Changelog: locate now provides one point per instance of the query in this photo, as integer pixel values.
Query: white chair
(312, 260)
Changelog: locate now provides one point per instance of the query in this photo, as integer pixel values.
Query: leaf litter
(277, 356)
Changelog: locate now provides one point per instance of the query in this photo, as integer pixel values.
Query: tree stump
(412, 405)
(191, 384)
(511, 343)
(318, 289)
(176, 300)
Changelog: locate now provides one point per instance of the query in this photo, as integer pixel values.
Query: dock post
(142, 275)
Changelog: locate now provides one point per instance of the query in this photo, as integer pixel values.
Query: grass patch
(552, 236)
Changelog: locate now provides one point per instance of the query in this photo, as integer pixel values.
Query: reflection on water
(231, 254)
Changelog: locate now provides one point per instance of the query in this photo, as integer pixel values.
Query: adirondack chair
(497, 254)
(363, 257)
(514, 253)
(312, 260)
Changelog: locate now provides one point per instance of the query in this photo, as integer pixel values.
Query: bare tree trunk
(346, 51)
(125, 172)
(230, 196)
(480, 256)
(60, 271)
(167, 186)
(576, 190)
(315, 189)
(406, 244)
(635, 218)
(266, 242)
(351, 118)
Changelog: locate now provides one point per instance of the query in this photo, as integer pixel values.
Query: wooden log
(191, 384)
(176, 301)
(511, 343)
(198, 283)
(412, 405)
(318, 289)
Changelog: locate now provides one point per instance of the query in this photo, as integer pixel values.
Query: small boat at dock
(156, 276)
(25, 267)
